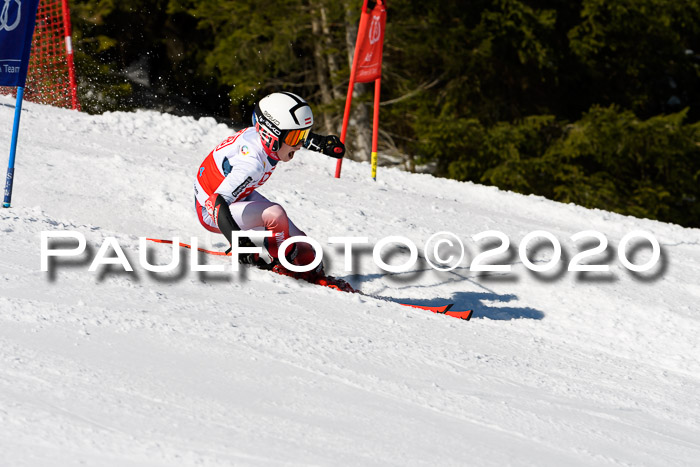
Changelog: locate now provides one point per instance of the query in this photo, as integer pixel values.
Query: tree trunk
(322, 75)
(333, 68)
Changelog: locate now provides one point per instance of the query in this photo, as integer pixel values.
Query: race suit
(237, 167)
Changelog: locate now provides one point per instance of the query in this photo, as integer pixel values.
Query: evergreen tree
(586, 101)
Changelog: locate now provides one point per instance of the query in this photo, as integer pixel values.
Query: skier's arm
(245, 172)
(237, 184)
(218, 210)
(329, 145)
(217, 207)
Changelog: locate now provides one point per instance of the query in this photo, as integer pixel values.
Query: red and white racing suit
(235, 169)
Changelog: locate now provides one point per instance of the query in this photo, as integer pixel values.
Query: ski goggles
(294, 137)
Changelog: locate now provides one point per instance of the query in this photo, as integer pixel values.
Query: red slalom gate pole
(351, 86)
(69, 56)
(375, 127)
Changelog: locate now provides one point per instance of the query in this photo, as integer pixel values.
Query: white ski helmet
(282, 117)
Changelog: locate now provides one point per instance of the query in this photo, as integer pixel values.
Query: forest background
(594, 102)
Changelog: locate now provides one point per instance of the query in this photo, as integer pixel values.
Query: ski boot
(315, 276)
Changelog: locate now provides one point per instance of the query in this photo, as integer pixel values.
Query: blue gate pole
(13, 149)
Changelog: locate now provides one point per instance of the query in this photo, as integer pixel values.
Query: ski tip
(465, 315)
(444, 310)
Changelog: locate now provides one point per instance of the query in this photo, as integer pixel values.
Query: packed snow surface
(219, 368)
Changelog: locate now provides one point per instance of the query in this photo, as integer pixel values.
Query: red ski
(185, 245)
(444, 310)
(341, 285)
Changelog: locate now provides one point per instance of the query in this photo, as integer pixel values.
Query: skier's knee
(306, 254)
(274, 217)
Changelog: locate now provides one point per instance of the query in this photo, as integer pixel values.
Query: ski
(444, 310)
(185, 245)
(332, 282)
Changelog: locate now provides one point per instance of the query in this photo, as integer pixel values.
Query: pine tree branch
(419, 89)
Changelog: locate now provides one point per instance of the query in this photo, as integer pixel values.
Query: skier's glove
(329, 145)
(246, 258)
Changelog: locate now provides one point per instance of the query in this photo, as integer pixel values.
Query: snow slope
(191, 368)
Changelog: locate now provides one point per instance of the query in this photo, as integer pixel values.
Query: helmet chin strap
(270, 153)
(266, 148)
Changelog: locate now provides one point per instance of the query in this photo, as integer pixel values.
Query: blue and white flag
(17, 19)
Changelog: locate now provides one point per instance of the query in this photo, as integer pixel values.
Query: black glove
(329, 145)
(247, 258)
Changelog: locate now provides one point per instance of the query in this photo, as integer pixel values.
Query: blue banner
(17, 19)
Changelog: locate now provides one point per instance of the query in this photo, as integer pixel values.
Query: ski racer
(226, 196)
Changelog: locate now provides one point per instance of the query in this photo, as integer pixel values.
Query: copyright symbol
(442, 251)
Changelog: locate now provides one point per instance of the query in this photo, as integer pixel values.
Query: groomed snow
(116, 368)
